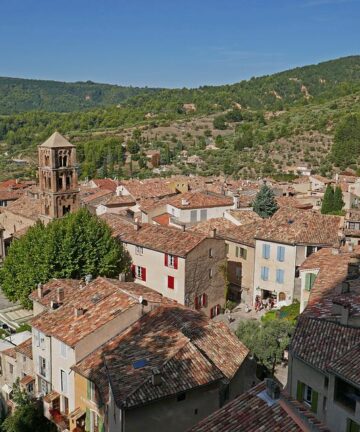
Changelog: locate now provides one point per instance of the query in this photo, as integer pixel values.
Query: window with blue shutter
(280, 276)
(281, 253)
(266, 251)
(264, 273)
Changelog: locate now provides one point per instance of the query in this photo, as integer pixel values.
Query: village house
(324, 357)
(264, 407)
(282, 245)
(73, 320)
(352, 226)
(184, 266)
(167, 371)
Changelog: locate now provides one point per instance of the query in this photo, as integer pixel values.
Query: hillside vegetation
(258, 127)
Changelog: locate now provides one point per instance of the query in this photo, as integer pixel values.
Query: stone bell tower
(59, 192)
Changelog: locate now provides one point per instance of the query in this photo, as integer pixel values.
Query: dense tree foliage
(265, 203)
(333, 201)
(346, 148)
(266, 340)
(28, 416)
(72, 247)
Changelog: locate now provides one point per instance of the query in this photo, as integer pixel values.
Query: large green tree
(327, 205)
(346, 147)
(338, 200)
(266, 341)
(265, 204)
(72, 247)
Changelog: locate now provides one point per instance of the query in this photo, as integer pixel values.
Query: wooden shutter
(308, 281)
(245, 253)
(212, 312)
(300, 391)
(87, 420)
(133, 270)
(166, 260)
(101, 427)
(203, 300)
(314, 401)
(196, 301)
(175, 263)
(171, 282)
(88, 390)
(312, 279)
(143, 274)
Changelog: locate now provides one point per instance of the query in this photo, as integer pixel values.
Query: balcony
(53, 413)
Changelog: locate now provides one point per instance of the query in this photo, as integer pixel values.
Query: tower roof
(56, 141)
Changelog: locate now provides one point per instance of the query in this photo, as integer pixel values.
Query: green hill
(300, 116)
(19, 95)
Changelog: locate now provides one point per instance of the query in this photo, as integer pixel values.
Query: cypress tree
(338, 200)
(327, 205)
(265, 204)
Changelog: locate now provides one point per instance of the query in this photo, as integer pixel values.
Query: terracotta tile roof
(332, 270)
(96, 194)
(9, 195)
(56, 140)
(69, 287)
(120, 201)
(187, 348)
(320, 178)
(10, 352)
(244, 234)
(26, 206)
(318, 342)
(107, 184)
(196, 200)
(164, 239)
(348, 365)
(288, 201)
(162, 219)
(353, 215)
(251, 413)
(294, 226)
(25, 348)
(221, 225)
(118, 224)
(102, 300)
(244, 216)
(21, 232)
(148, 188)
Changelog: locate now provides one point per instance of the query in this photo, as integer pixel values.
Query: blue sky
(171, 43)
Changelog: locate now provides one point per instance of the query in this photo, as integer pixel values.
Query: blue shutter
(266, 251)
(280, 253)
(266, 273)
(280, 276)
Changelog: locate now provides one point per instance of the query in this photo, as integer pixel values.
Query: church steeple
(57, 177)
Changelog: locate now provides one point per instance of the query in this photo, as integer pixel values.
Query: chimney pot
(78, 311)
(156, 377)
(122, 277)
(213, 233)
(60, 295)
(40, 289)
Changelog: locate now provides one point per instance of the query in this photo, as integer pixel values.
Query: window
(264, 273)
(309, 280)
(171, 282)
(241, 252)
(310, 250)
(326, 382)
(210, 253)
(215, 311)
(93, 421)
(140, 273)
(266, 251)
(307, 395)
(171, 261)
(203, 214)
(281, 253)
(91, 391)
(193, 215)
(226, 248)
(42, 366)
(280, 276)
(210, 273)
(37, 338)
(200, 301)
(24, 359)
(139, 250)
(11, 368)
(63, 381)
(63, 350)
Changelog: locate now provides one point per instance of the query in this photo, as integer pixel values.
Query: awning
(27, 379)
(77, 413)
(51, 397)
(6, 388)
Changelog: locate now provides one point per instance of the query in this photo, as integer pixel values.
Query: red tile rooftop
(195, 200)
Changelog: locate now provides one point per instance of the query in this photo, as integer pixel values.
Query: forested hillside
(308, 115)
(19, 95)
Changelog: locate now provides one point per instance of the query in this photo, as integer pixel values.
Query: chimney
(122, 277)
(335, 251)
(272, 389)
(353, 267)
(213, 233)
(40, 289)
(156, 377)
(78, 311)
(136, 226)
(345, 287)
(184, 202)
(350, 247)
(88, 279)
(60, 295)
